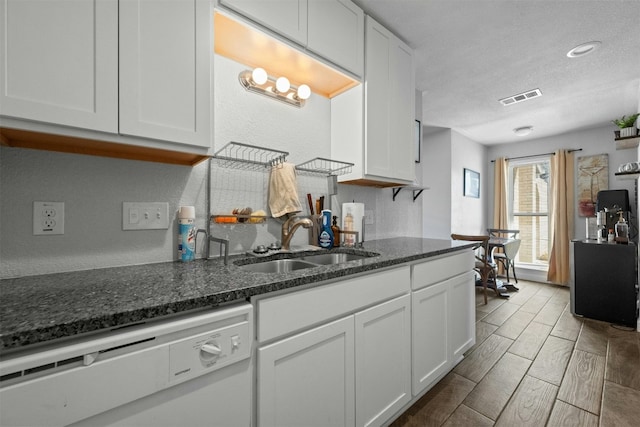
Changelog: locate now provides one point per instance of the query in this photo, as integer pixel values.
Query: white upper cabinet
(332, 29)
(131, 72)
(59, 62)
(336, 32)
(165, 70)
(372, 127)
(286, 17)
(389, 105)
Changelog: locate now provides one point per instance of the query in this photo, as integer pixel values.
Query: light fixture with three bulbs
(258, 81)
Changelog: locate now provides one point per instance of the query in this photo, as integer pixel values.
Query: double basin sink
(299, 262)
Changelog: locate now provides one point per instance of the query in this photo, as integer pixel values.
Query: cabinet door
(308, 379)
(383, 361)
(402, 111)
(389, 105)
(342, 42)
(430, 321)
(377, 95)
(286, 17)
(165, 82)
(59, 62)
(462, 315)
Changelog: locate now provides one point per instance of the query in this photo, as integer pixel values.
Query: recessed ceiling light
(583, 49)
(523, 131)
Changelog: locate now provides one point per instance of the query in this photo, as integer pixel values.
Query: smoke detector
(524, 96)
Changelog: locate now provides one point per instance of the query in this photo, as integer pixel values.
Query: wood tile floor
(535, 364)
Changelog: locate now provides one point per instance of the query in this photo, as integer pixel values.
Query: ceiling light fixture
(523, 131)
(583, 49)
(258, 81)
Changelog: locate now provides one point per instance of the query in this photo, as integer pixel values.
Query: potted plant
(626, 126)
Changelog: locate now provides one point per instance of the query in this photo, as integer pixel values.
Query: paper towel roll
(356, 210)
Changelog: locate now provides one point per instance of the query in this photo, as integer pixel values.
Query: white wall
(468, 214)
(436, 174)
(446, 209)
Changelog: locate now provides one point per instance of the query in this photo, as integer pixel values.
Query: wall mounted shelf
(628, 142)
(248, 157)
(322, 166)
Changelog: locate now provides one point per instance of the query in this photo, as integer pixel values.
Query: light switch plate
(145, 215)
(48, 218)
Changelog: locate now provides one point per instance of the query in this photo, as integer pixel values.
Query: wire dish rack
(322, 166)
(238, 155)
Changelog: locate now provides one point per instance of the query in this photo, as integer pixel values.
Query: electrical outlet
(48, 218)
(368, 217)
(145, 216)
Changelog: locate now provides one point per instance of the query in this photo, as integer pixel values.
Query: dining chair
(483, 266)
(506, 256)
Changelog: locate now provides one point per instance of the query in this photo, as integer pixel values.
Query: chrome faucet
(290, 226)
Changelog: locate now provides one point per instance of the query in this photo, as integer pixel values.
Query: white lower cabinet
(443, 317)
(359, 351)
(383, 361)
(355, 370)
(429, 311)
(308, 379)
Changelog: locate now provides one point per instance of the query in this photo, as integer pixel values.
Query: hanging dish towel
(283, 190)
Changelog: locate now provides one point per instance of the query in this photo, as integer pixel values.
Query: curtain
(561, 218)
(500, 212)
(500, 195)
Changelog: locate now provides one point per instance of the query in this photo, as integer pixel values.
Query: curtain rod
(537, 155)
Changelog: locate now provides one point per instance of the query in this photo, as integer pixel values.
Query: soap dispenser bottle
(325, 239)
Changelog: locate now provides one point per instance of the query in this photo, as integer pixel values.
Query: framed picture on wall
(417, 136)
(471, 183)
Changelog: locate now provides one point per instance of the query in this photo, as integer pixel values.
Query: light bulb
(282, 84)
(259, 76)
(304, 92)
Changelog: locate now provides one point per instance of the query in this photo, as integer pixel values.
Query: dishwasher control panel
(209, 351)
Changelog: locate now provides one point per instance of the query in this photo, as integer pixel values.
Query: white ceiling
(471, 53)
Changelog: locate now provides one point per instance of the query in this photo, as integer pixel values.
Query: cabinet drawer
(300, 310)
(435, 271)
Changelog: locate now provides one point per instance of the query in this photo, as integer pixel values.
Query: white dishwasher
(193, 370)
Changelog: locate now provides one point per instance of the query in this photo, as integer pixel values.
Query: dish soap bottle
(336, 232)
(325, 239)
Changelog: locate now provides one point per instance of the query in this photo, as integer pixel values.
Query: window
(529, 209)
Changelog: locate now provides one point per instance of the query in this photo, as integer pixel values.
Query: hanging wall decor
(593, 176)
(471, 183)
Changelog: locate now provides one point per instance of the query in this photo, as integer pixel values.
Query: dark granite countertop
(38, 309)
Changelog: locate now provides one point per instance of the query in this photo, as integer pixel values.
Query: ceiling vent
(524, 96)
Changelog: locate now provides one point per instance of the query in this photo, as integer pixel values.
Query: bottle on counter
(187, 233)
(622, 230)
(336, 232)
(610, 236)
(325, 239)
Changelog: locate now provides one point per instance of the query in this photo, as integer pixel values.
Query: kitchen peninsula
(406, 309)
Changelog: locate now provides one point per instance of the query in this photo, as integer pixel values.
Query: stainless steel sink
(333, 258)
(278, 266)
(300, 262)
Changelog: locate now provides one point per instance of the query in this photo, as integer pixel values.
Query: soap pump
(336, 232)
(325, 239)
